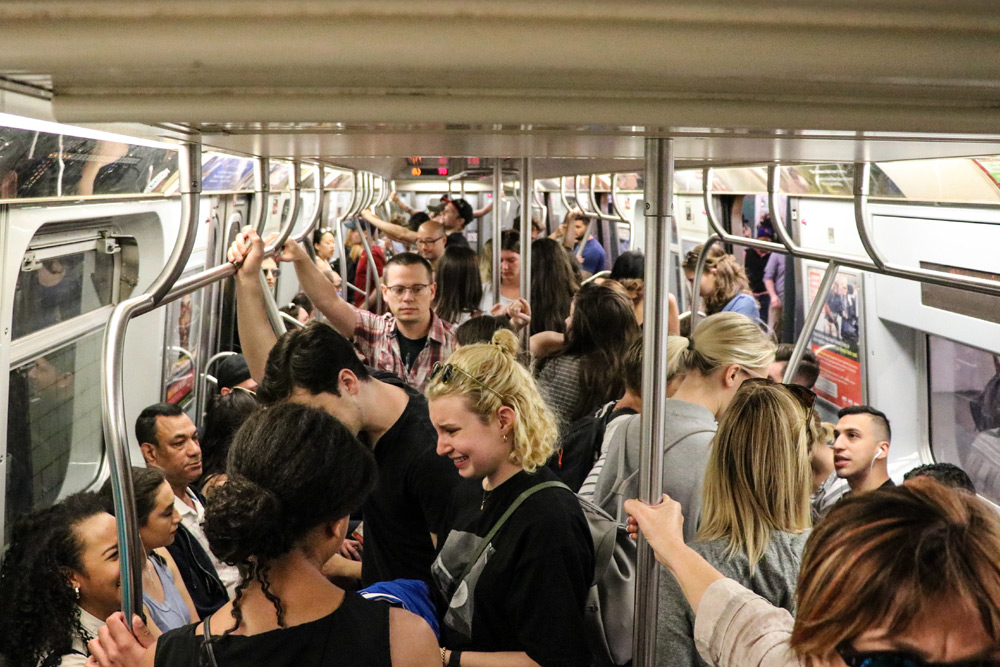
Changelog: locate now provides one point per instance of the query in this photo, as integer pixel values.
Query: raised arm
(395, 232)
(256, 335)
(320, 291)
(401, 204)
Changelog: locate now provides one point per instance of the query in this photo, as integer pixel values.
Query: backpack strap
(503, 519)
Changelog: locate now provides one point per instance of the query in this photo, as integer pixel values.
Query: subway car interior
(138, 139)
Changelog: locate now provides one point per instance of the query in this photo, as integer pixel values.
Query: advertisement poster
(836, 339)
(183, 318)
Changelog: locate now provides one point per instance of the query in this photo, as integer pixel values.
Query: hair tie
(691, 343)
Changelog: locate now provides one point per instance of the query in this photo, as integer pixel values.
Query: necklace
(486, 496)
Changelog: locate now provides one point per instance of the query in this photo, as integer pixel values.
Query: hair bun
(506, 340)
(245, 520)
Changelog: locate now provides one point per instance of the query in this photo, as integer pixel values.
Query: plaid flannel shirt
(375, 337)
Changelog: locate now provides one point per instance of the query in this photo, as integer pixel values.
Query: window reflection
(62, 288)
(965, 411)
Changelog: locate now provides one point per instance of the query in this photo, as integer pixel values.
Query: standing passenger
(861, 448)
(723, 286)
(774, 281)
(406, 342)
(754, 509)
(282, 514)
(459, 290)
(430, 242)
(403, 516)
(522, 600)
(553, 286)
(510, 272)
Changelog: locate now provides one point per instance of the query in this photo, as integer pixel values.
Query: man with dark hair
(454, 216)
(948, 474)
(861, 448)
(806, 374)
(317, 366)
(232, 372)
(406, 342)
(169, 441)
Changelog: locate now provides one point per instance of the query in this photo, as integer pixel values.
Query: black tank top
(356, 634)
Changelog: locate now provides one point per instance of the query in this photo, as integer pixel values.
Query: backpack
(609, 611)
(579, 447)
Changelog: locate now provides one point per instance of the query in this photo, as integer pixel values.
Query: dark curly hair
(291, 468)
(39, 616)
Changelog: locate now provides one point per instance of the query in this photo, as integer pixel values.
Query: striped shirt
(376, 338)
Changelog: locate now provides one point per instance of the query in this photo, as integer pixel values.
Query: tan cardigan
(736, 628)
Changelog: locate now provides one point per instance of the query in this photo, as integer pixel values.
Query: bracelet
(456, 659)
(444, 661)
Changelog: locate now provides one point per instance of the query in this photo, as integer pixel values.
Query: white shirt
(192, 518)
(91, 624)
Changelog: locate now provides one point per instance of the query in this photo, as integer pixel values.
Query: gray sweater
(690, 429)
(773, 578)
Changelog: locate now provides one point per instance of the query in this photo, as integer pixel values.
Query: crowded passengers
(417, 487)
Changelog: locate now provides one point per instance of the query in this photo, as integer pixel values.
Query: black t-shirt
(530, 594)
(410, 348)
(411, 498)
(356, 633)
(754, 265)
(456, 239)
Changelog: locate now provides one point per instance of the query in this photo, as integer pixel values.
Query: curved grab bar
(614, 202)
(112, 399)
(275, 247)
(592, 194)
(371, 273)
(261, 190)
(576, 195)
(596, 276)
(527, 194)
(812, 317)
(318, 210)
(699, 269)
(285, 317)
(562, 194)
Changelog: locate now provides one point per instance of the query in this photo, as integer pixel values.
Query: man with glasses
(431, 242)
(407, 341)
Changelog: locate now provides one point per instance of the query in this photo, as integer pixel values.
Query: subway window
(965, 411)
(55, 442)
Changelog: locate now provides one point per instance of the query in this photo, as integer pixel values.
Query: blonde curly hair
(490, 378)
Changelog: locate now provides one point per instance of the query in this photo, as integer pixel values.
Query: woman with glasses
(520, 599)
(754, 507)
(900, 577)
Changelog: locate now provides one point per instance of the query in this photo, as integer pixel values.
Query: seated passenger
(807, 372)
(861, 448)
(726, 349)
(553, 286)
(510, 271)
(948, 474)
(522, 599)
(223, 418)
(459, 290)
(405, 513)
(904, 577)
(586, 373)
(165, 598)
(169, 442)
(754, 509)
(723, 286)
(281, 516)
(59, 580)
(407, 342)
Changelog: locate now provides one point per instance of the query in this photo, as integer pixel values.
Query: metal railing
(165, 289)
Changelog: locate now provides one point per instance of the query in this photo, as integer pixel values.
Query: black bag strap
(503, 519)
(207, 644)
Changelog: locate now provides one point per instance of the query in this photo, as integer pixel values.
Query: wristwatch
(456, 659)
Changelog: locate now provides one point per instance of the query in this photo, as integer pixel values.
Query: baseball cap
(232, 370)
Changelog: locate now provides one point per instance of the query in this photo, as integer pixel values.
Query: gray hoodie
(690, 429)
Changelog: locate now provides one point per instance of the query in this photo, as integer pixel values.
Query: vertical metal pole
(527, 196)
(497, 223)
(659, 214)
(812, 317)
(261, 190)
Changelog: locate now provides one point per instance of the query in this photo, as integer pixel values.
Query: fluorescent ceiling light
(35, 125)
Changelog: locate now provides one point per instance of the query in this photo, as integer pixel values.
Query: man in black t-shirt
(404, 514)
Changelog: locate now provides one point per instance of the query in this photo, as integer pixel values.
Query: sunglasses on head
(900, 659)
(447, 373)
(804, 396)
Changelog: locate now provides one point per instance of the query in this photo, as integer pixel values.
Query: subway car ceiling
(363, 84)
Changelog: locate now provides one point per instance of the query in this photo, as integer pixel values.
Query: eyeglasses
(273, 272)
(804, 396)
(400, 290)
(429, 241)
(900, 659)
(447, 373)
(246, 391)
